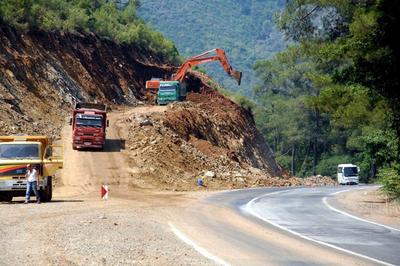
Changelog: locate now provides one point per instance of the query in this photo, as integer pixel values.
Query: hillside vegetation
(102, 17)
(334, 96)
(243, 28)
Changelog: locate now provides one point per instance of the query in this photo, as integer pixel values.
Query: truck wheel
(47, 193)
(6, 197)
(73, 147)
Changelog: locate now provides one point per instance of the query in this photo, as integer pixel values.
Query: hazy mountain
(243, 28)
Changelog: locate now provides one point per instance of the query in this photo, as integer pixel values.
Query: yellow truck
(16, 152)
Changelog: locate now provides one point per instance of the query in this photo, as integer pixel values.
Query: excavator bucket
(237, 75)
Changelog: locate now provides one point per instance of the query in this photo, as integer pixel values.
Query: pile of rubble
(319, 180)
(162, 157)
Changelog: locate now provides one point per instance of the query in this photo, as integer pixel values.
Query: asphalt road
(278, 226)
(307, 214)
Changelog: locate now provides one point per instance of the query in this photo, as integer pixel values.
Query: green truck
(170, 91)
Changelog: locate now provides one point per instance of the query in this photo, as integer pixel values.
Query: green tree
(338, 65)
(115, 20)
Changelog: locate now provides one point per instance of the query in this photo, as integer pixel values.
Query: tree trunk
(314, 162)
(293, 166)
(303, 165)
(315, 138)
(373, 172)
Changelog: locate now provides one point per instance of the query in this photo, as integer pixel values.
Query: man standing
(32, 177)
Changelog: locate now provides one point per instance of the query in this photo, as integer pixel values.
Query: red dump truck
(89, 122)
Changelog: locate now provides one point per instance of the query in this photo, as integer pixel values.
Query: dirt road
(78, 228)
(85, 171)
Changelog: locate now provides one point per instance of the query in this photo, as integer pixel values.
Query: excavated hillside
(207, 137)
(42, 75)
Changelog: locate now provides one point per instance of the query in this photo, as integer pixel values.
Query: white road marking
(325, 201)
(248, 208)
(199, 249)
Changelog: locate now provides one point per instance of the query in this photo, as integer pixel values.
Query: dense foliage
(333, 97)
(106, 18)
(243, 28)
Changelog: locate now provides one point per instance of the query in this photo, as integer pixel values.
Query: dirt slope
(42, 74)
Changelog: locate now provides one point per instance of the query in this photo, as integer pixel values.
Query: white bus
(347, 174)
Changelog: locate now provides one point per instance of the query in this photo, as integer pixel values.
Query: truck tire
(6, 197)
(74, 147)
(47, 193)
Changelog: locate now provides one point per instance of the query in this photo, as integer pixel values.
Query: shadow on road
(34, 201)
(114, 145)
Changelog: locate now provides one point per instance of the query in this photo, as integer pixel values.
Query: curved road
(277, 226)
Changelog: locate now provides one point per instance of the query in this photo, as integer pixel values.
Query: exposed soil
(43, 74)
(171, 148)
(370, 204)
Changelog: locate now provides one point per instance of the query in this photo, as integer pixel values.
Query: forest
(333, 96)
(116, 20)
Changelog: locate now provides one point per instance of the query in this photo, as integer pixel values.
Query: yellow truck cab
(16, 152)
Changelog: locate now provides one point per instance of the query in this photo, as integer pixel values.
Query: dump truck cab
(16, 152)
(89, 123)
(170, 91)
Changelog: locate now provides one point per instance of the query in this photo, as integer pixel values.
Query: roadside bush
(244, 102)
(390, 179)
(283, 160)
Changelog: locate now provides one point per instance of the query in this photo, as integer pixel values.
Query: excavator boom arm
(205, 58)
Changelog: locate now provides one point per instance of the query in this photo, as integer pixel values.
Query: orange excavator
(174, 90)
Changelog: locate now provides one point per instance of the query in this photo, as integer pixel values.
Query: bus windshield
(10, 151)
(350, 171)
